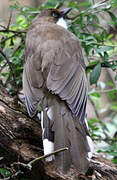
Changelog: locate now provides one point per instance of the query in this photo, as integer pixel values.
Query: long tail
(68, 132)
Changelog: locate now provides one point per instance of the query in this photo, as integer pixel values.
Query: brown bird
(54, 76)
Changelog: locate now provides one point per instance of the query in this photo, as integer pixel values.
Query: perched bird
(54, 76)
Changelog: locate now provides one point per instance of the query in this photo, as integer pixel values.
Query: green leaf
(110, 83)
(110, 36)
(116, 77)
(105, 127)
(114, 3)
(93, 120)
(102, 49)
(112, 94)
(93, 63)
(114, 161)
(114, 106)
(113, 17)
(84, 4)
(95, 74)
(4, 172)
(96, 94)
(71, 4)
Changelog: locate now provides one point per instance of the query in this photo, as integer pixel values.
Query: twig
(11, 67)
(87, 11)
(45, 156)
(104, 139)
(97, 115)
(9, 38)
(18, 47)
(9, 21)
(5, 30)
(3, 26)
(106, 90)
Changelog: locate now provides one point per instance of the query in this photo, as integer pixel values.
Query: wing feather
(68, 79)
(32, 83)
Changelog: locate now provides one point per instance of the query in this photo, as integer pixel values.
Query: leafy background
(94, 23)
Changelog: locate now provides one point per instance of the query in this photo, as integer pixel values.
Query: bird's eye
(55, 15)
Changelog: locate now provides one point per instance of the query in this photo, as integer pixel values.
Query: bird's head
(55, 15)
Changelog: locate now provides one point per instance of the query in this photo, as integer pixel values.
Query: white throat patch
(62, 22)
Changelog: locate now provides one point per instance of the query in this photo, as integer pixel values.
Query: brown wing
(67, 77)
(32, 89)
(32, 75)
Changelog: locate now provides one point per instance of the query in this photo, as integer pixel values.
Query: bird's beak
(65, 11)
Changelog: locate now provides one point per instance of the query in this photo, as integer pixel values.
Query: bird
(54, 79)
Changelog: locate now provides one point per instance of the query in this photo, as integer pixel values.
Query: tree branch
(6, 30)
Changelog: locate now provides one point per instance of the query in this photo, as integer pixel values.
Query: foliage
(4, 172)
(85, 21)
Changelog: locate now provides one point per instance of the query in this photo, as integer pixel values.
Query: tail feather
(63, 159)
(79, 149)
(68, 132)
(71, 134)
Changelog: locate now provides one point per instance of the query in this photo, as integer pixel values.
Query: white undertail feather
(39, 116)
(91, 145)
(50, 112)
(48, 148)
(43, 129)
(86, 123)
(47, 145)
(62, 22)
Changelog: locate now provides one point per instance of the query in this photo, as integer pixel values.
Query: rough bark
(20, 141)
